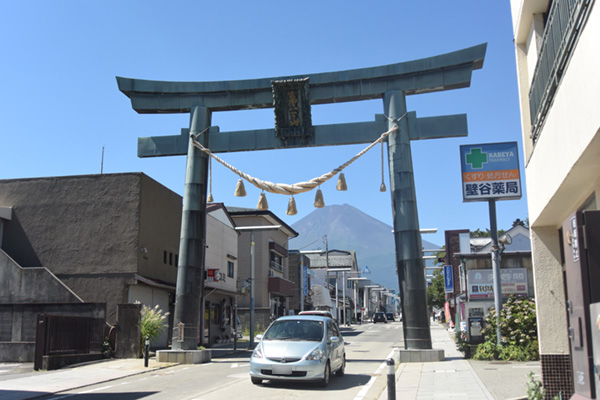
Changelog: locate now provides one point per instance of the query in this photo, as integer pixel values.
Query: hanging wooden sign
(291, 101)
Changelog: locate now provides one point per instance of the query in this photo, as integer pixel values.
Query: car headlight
(257, 353)
(316, 354)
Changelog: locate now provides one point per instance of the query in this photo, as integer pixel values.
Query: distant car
(390, 316)
(299, 348)
(379, 317)
(321, 313)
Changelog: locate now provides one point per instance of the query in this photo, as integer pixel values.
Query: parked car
(321, 313)
(390, 316)
(379, 317)
(299, 348)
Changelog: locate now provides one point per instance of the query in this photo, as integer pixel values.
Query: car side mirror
(334, 339)
(259, 337)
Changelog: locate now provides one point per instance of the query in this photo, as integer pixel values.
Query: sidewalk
(48, 382)
(21, 386)
(457, 378)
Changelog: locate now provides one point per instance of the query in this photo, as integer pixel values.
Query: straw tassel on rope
(210, 198)
(319, 201)
(291, 210)
(341, 184)
(382, 187)
(262, 202)
(240, 190)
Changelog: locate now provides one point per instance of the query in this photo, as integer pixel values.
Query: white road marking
(95, 390)
(366, 388)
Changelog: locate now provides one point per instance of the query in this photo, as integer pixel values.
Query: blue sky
(60, 104)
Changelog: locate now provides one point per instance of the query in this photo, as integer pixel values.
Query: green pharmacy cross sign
(490, 171)
(476, 158)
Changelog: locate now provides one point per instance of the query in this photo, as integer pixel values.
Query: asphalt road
(367, 348)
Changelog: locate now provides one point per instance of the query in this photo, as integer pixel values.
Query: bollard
(391, 379)
(146, 351)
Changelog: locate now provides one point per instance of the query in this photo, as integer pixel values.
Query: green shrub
(152, 323)
(535, 389)
(518, 330)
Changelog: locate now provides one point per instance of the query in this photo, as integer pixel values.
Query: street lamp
(358, 278)
(253, 229)
(336, 270)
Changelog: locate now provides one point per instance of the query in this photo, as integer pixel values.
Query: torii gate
(392, 83)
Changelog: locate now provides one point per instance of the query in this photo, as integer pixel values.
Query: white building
(558, 59)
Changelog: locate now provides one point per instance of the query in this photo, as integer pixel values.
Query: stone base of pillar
(421, 355)
(184, 356)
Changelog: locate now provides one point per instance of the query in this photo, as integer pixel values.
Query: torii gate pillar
(189, 330)
(409, 261)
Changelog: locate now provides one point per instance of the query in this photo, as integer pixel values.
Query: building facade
(109, 238)
(220, 285)
(556, 45)
(272, 285)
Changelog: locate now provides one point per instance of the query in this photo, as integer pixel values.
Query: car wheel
(340, 372)
(256, 381)
(326, 375)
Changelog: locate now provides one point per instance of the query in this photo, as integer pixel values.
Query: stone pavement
(457, 378)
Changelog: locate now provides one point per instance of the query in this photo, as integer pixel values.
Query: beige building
(556, 44)
(220, 285)
(273, 288)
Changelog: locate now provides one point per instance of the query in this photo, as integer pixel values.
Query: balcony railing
(563, 26)
(276, 266)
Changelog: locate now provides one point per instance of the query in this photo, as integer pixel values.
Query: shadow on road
(336, 383)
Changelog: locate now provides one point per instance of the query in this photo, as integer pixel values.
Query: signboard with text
(448, 279)
(490, 171)
(481, 283)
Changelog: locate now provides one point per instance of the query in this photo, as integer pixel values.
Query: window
(165, 256)
(230, 269)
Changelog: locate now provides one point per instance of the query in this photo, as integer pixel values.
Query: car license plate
(282, 369)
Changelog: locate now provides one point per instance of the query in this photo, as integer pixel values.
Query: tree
(436, 295)
(487, 233)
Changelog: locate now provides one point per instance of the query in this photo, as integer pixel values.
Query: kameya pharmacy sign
(490, 171)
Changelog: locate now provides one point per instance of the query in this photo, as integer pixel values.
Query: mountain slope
(348, 228)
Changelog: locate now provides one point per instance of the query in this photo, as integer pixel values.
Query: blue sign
(448, 279)
(490, 171)
(366, 271)
(305, 280)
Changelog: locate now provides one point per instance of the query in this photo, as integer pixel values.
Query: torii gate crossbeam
(392, 83)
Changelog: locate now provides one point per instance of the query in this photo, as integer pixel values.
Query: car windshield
(300, 330)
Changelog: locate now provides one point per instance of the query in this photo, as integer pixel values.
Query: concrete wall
(31, 285)
(159, 231)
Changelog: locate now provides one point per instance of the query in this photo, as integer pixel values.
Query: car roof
(304, 317)
(316, 312)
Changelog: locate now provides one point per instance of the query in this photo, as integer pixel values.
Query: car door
(336, 353)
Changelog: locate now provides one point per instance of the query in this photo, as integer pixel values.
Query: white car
(299, 348)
